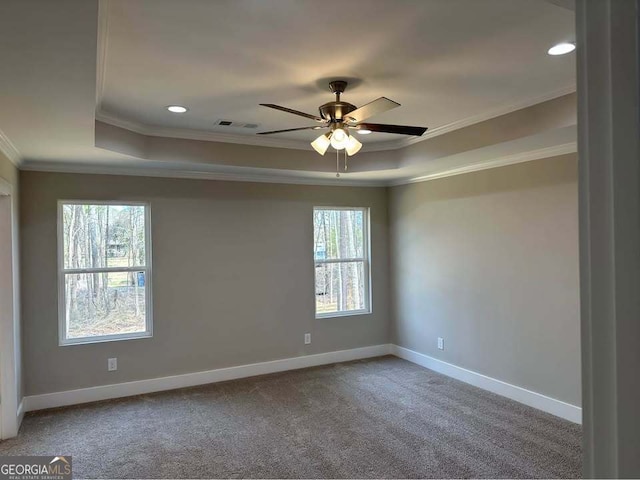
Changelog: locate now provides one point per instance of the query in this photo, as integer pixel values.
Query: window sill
(350, 313)
(104, 339)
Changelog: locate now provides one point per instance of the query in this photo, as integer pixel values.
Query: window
(341, 255)
(104, 271)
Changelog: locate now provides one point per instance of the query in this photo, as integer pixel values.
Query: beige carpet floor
(378, 418)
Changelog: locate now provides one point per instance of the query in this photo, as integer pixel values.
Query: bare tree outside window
(341, 259)
(104, 274)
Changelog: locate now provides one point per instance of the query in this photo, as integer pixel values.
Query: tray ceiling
(451, 63)
(445, 61)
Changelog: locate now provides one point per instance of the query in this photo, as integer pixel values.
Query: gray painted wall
(233, 278)
(489, 262)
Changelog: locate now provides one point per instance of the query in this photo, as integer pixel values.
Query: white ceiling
(445, 61)
(449, 62)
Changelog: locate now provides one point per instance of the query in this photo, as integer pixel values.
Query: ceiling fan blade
(379, 105)
(317, 127)
(295, 112)
(399, 129)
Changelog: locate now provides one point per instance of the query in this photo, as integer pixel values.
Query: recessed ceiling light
(562, 49)
(363, 131)
(177, 108)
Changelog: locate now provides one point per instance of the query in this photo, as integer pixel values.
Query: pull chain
(338, 163)
(345, 160)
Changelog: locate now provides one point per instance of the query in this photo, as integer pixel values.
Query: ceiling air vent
(229, 123)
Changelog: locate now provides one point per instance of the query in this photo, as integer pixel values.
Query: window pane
(340, 287)
(104, 303)
(98, 236)
(338, 234)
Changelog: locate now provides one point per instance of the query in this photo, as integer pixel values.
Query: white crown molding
(201, 135)
(144, 171)
(255, 140)
(141, 387)
(537, 154)
(527, 397)
(257, 177)
(10, 150)
(102, 49)
(489, 114)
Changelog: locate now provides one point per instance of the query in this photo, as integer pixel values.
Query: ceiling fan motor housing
(335, 112)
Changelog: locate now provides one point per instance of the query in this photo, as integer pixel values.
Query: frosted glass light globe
(339, 139)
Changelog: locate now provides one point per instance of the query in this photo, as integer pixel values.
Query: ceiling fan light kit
(339, 117)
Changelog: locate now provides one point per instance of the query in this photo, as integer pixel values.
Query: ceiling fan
(341, 117)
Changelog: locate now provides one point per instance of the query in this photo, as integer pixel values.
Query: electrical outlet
(440, 343)
(307, 338)
(112, 364)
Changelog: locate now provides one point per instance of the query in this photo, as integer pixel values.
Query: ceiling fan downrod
(338, 87)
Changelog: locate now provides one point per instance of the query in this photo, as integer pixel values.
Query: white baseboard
(519, 394)
(105, 392)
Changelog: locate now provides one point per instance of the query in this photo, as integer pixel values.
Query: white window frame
(62, 321)
(366, 259)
